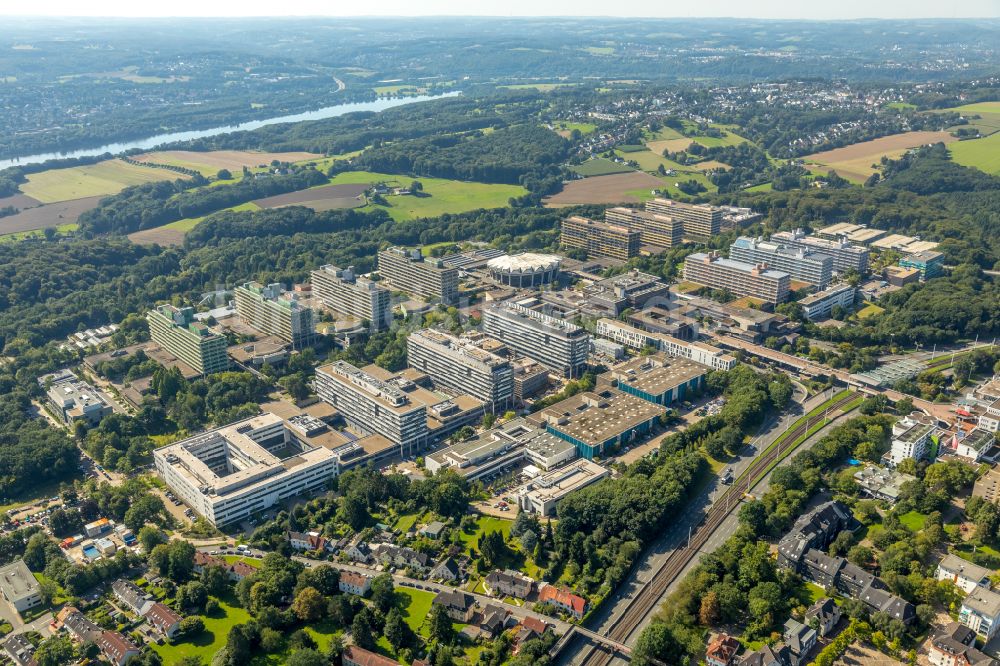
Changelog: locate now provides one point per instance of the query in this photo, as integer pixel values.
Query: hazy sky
(836, 9)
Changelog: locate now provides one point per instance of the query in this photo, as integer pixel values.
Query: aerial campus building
(229, 473)
(272, 311)
(543, 494)
(372, 405)
(820, 305)
(344, 292)
(654, 229)
(462, 365)
(802, 265)
(524, 271)
(636, 338)
(613, 295)
(408, 270)
(73, 399)
(736, 277)
(601, 239)
(659, 378)
(846, 256)
(699, 220)
(555, 343)
(19, 587)
(176, 330)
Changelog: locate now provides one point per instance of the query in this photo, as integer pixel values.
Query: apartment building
(19, 587)
(910, 439)
(737, 277)
(636, 338)
(699, 220)
(963, 573)
(462, 365)
(800, 264)
(654, 229)
(271, 310)
(408, 270)
(980, 612)
(600, 238)
(176, 330)
(372, 405)
(229, 473)
(846, 256)
(821, 304)
(346, 293)
(555, 343)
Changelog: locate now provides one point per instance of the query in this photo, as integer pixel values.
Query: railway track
(648, 597)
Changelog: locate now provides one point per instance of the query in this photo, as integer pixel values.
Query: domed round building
(527, 269)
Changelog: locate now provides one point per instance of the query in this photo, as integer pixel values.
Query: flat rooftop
(915, 432)
(739, 266)
(594, 418)
(656, 374)
(536, 320)
(464, 350)
(393, 392)
(17, 581)
(560, 482)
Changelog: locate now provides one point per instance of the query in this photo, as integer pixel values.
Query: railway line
(649, 596)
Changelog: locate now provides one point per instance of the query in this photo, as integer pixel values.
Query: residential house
(963, 573)
(508, 584)
(826, 613)
(20, 650)
(980, 612)
(722, 650)
(433, 530)
(358, 551)
(308, 541)
(446, 570)
(79, 627)
(402, 557)
(163, 618)
(240, 570)
(460, 606)
(529, 628)
(132, 596)
(799, 638)
(955, 645)
(356, 656)
(778, 655)
(203, 560)
(564, 600)
(495, 620)
(117, 648)
(355, 583)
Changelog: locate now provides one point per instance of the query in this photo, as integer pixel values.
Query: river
(159, 139)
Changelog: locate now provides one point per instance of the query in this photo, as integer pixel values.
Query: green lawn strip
(913, 520)
(233, 559)
(211, 640)
(485, 524)
(69, 227)
(417, 608)
(189, 223)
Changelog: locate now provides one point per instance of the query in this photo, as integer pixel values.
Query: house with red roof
(722, 651)
(163, 618)
(564, 600)
(117, 648)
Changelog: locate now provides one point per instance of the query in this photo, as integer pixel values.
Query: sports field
(854, 162)
(101, 179)
(439, 196)
(209, 163)
(599, 166)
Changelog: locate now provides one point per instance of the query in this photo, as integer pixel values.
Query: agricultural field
(675, 145)
(101, 179)
(599, 166)
(62, 229)
(19, 201)
(59, 214)
(982, 154)
(633, 187)
(324, 197)
(540, 87)
(209, 163)
(855, 162)
(440, 195)
(400, 89)
(988, 112)
(173, 233)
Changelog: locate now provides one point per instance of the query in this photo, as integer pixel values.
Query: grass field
(650, 161)
(763, 187)
(854, 162)
(206, 644)
(663, 134)
(564, 128)
(418, 607)
(988, 112)
(101, 179)
(913, 521)
(870, 310)
(541, 87)
(399, 89)
(189, 223)
(440, 195)
(37, 233)
(208, 163)
(600, 167)
(731, 138)
(982, 154)
(485, 524)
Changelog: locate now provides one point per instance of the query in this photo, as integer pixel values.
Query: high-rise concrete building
(372, 405)
(654, 228)
(406, 269)
(600, 238)
(846, 256)
(636, 338)
(555, 343)
(801, 264)
(270, 310)
(461, 365)
(736, 277)
(176, 330)
(821, 304)
(699, 220)
(348, 294)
